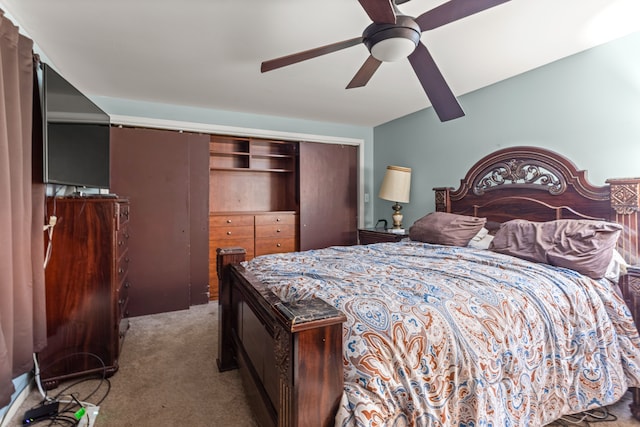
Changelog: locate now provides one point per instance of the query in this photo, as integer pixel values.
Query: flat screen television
(75, 135)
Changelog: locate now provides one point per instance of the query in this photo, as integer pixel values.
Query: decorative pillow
(582, 245)
(479, 235)
(481, 240)
(616, 268)
(446, 228)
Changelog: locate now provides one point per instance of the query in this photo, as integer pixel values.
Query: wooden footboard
(289, 355)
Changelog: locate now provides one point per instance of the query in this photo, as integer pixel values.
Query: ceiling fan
(393, 36)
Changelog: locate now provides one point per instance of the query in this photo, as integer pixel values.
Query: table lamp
(395, 188)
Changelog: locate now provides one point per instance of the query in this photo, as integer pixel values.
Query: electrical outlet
(366, 197)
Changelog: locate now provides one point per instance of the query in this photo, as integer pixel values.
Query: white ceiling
(207, 53)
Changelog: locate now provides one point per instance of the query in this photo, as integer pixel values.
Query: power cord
(48, 228)
(586, 418)
(53, 220)
(67, 408)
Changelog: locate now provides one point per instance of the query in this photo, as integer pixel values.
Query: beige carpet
(168, 377)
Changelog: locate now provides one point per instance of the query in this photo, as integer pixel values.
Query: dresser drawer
(122, 215)
(123, 302)
(123, 292)
(223, 234)
(230, 220)
(122, 268)
(122, 240)
(277, 218)
(272, 246)
(275, 231)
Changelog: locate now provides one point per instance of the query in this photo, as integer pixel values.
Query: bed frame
(290, 355)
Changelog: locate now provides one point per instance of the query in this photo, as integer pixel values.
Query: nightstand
(366, 236)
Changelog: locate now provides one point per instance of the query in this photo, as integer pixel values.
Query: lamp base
(397, 216)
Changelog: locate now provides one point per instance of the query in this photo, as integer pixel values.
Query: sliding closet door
(328, 195)
(159, 171)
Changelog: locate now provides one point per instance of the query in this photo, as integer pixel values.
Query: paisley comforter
(451, 336)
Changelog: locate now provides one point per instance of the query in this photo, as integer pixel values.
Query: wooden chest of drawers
(275, 233)
(259, 233)
(87, 288)
(231, 230)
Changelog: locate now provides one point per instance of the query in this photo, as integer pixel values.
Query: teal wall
(20, 383)
(586, 107)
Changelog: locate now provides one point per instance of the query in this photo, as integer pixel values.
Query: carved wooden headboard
(541, 185)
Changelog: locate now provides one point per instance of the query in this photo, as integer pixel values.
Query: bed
(310, 343)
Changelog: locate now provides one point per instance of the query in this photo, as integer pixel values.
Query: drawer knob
(278, 244)
(277, 219)
(278, 230)
(228, 233)
(228, 221)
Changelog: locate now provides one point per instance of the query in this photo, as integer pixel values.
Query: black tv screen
(76, 135)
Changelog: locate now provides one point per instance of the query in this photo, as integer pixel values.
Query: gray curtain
(22, 295)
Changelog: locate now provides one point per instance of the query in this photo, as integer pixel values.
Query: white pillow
(481, 240)
(617, 267)
(480, 235)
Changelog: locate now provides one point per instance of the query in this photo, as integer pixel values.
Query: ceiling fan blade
(308, 54)
(365, 73)
(452, 11)
(380, 11)
(442, 98)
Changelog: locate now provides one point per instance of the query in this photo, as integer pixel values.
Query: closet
(328, 195)
(270, 196)
(193, 193)
(165, 176)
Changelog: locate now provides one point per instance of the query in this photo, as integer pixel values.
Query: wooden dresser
(86, 288)
(259, 233)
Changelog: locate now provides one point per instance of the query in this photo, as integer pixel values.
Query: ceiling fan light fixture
(392, 42)
(393, 49)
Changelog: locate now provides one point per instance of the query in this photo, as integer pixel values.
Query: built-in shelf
(257, 155)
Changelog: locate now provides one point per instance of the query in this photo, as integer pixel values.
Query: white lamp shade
(396, 184)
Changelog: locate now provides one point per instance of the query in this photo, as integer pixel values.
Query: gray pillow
(585, 246)
(444, 228)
